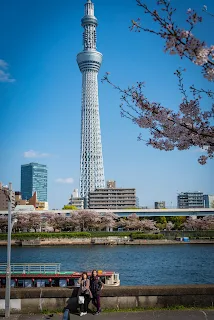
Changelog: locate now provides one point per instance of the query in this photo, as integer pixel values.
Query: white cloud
(65, 180)
(35, 154)
(3, 64)
(4, 75)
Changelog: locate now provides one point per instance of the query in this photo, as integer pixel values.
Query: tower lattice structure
(89, 61)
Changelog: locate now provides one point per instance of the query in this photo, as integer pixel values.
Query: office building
(34, 178)
(112, 198)
(190, 200)
(76, 201)
(89, 61)
(160, 205)
(4, 198)
(208, 201)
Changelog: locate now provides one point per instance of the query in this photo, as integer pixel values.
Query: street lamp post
(8, 271)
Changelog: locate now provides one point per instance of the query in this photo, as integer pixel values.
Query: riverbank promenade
(144, 315)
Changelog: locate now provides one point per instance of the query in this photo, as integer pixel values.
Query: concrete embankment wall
(28, 300)
(98, 241)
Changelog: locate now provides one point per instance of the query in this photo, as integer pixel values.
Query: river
(137, 265)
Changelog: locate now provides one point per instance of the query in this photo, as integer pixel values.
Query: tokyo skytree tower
(89, 61)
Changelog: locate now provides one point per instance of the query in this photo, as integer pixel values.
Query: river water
(137, 265)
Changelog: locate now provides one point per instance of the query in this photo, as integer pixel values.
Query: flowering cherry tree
(35, 221)
(88, 220)
(108, 220)
(23, 223)
(133, 222)
(190, 126)
(148, 225)
(3, 223)
(206, 223)
(57, 222)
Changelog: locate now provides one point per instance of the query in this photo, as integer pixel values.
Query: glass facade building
(34, 177)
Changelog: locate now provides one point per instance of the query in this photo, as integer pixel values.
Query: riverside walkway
(144, 315)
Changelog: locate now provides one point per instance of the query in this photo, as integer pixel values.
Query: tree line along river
(137, 265)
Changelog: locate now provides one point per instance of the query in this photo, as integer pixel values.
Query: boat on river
(26, 275)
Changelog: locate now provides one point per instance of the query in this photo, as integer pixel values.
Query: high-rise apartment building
(112, 198)
(4, 198)
(208, 201)
(34, 178)
(190, 200)
(89, 61)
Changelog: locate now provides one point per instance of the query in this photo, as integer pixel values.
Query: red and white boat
(49, 275)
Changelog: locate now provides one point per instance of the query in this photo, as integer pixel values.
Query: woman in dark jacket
(96, 286)
(84, 291)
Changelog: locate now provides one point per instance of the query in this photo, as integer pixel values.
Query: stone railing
(34, 300)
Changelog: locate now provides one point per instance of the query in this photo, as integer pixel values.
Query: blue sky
(40, 110)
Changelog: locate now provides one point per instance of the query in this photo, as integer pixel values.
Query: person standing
(84, 294)
(96, 286)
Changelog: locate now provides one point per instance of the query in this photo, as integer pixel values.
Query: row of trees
(84, 220)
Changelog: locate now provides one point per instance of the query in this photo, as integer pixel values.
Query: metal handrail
(32, 267)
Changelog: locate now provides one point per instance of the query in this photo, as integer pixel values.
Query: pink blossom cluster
(206, 223)
(89, 220)
(133, 222)
(180, 41)
(80, 220)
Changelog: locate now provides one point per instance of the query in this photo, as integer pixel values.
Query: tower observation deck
(89, 62)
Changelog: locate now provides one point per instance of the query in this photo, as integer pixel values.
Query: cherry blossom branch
(168, 129)
(179, 41)
(205, 9)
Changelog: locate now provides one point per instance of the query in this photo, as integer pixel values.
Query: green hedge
(136, 235)
(46, 235)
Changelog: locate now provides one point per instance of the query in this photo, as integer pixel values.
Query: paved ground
(144, 315)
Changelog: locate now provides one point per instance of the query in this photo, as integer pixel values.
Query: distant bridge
(202, 212)
(162, 212)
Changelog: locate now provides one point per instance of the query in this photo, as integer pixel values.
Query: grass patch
(172, 308)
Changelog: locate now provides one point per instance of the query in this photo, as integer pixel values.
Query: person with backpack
(96, 286)
(84, 294)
